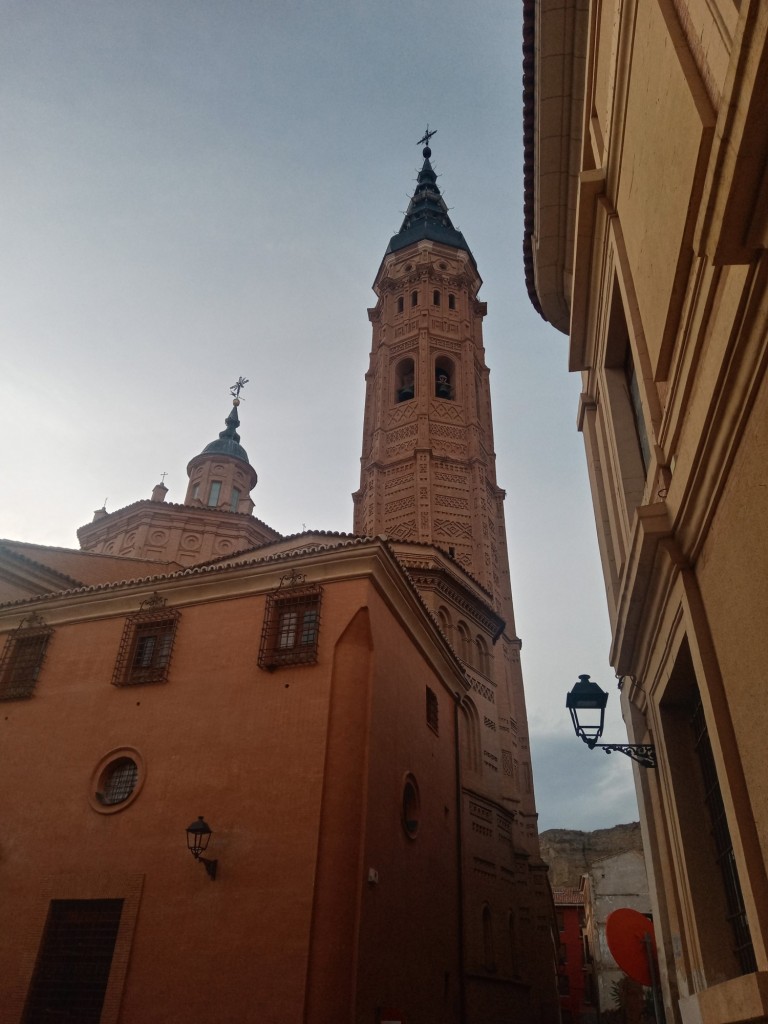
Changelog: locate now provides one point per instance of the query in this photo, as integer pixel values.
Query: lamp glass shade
(198, 836)
(586, 703)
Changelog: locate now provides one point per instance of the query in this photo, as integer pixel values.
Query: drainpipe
(459, 861)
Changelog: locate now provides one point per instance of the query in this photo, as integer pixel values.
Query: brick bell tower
(428, 483)
(428, 462)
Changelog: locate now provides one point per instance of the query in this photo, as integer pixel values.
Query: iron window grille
(291, 623)
(73, 964)
(119, 781)
(713, 798)
(147, 644)
(22, 658)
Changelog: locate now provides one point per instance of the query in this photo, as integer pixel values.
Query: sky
(195, 190)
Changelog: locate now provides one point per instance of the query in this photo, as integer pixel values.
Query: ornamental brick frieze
(446, 411)
(401, 330)
(392, 507)
(450, 431)
(447, 344)
(449, 501)
(482, 689)
(407, 432)
(403, 531)
(450, 478)
(404, 346)
(403, 413)
(444, 327)
(403, 469)
(450, 448)
(453, 528)
(396, 450)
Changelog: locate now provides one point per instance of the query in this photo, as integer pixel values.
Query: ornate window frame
(291, 628)
(23, 656)
(146, 645)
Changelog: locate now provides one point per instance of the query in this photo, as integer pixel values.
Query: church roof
(427, 215)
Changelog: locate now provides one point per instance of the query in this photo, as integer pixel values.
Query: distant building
(346, 712)
(612, 884)
(646, 235)
(575, 983)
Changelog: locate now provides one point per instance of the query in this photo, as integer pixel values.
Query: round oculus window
(117, 780)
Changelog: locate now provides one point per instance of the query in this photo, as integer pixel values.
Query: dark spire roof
(427, 215)
(228, 442)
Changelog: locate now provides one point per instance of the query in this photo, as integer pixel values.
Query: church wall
(299, 773)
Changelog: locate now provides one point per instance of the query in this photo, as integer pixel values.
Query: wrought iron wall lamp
(586, 703)
(198, 836)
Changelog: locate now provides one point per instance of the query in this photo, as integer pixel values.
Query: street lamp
(198, 836)
(586, 703)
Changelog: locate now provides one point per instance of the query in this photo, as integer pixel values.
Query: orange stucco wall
(298, 771)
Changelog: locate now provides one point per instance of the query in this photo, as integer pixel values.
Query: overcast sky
(198, 189)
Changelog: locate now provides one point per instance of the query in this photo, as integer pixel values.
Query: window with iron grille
(433, 710)
(291, 624)
(146, 645)
(22, 658)
(119, 781)
(713, 798)
(74, 961)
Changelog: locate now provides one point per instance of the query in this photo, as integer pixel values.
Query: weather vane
(237, 387)
(426, 137)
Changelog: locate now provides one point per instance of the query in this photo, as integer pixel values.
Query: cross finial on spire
(426, 137)
(237, 387)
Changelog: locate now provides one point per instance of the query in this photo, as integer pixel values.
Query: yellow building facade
(646, 207)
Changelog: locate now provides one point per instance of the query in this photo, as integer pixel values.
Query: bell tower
(428, 465)
(428, 483)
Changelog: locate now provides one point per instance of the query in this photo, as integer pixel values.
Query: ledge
(732, 1002)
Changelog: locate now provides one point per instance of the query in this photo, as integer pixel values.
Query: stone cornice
(239, 576)
(437, 578)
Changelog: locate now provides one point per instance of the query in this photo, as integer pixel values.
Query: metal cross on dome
(238, 386)
(426, 137)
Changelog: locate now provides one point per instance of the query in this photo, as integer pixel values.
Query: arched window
(489, 961)
(400, 304)
(451, 301)
(469, 729)
(405, 381)
(414, 298)
(444, 618)
(465, 643)
(435, 297)
(444, 378)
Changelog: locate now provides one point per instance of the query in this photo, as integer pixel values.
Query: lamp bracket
(643, 753)
(209, 865)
